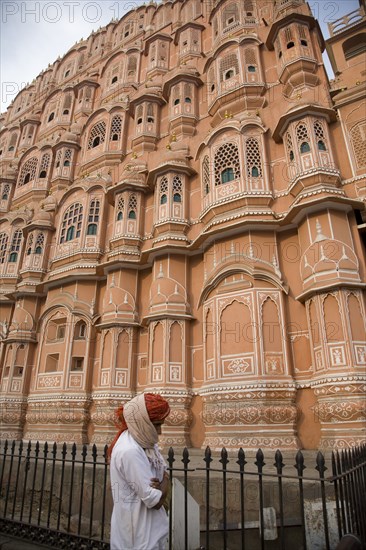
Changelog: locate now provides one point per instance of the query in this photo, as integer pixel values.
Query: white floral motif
(238, 366)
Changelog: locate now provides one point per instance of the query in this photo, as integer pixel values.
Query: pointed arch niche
(272, 338)
(356, 317)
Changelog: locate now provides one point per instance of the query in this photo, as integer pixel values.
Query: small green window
(92, 229)
(227, 175)
(70, 233)
(304, 147)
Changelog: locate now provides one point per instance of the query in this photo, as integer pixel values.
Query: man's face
(158, 427)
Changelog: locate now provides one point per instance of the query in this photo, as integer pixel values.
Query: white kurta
(135, 524)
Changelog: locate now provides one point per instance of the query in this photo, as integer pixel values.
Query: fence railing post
(320, 466)
(242, 462)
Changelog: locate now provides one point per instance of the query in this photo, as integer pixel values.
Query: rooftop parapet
(347, 21)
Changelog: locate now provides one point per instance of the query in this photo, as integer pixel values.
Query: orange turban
(157, 408)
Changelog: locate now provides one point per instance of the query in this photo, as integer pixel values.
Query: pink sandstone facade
(181, 211)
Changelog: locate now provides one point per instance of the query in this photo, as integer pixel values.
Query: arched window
(67, 157)
(163, 190)
(70, 233)
(45, 162)
(114, 79)
(13, 141)
(28, 171)
(230, 15)
(92, 229)
(39, 244)
(177, 101)
(71, 223)
(150, 113)
(253, 158)
(51, 117)
(358, 140)
(206, 174)
(227, 175)
(303, 138)
(139, 112)
(5, 193)
(97, 135)
(319, 135)
(177, 189)
(226, 163)
(229, 66)
(354, 46)
(116, 128)
(321, 145)
(120, 208)
(132, 207)
(292, 156)
(290, 45)
(187, 100)
(3, 246)
(131, 67)
(15, 246)
(251, 69)
(93, 218)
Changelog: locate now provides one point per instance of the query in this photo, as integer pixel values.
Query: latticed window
(150, 112)
(71, 223)
(250, 60)
(229, 66)
(319, 135)
(3, 246)
(93, 218)
(131, 66)
(97, 135)
(253, 158)
(12, 142)
(358, 140)
(45, 162)
(227, 164)
(206, 174)
(139, 112)
(248, 7)
(15, 245)
(132, 207)
(303, 138)
(289, 145)
(120, 208)
(30, 244)
(177, 189)
(188, 93)
(163, 190)
(116, 128)
(28, 172)
(67, 104)
(230, 15)
(5, 192)
(38, 249)
(288, 35)
(67, 157)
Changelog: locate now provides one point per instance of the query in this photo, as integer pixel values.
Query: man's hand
(163, 486)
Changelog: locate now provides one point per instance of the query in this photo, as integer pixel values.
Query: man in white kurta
(136, 524)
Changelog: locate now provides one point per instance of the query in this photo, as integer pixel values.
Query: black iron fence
(60, 495)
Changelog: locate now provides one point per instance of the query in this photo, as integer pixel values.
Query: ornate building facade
(182, 210)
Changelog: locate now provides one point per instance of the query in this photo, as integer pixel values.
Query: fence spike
(320, 464)
(45, 449)
(64, 450)
(207, 457)
(185, 458)
(94, 452)
(278, 461)
(299, 463)
(171, 458)
(241, 459)
(224, 458)
(260, 460)
(84, 452)
(37, 449)
(73, 451)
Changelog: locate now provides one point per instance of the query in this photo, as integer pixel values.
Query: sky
(34, 33)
